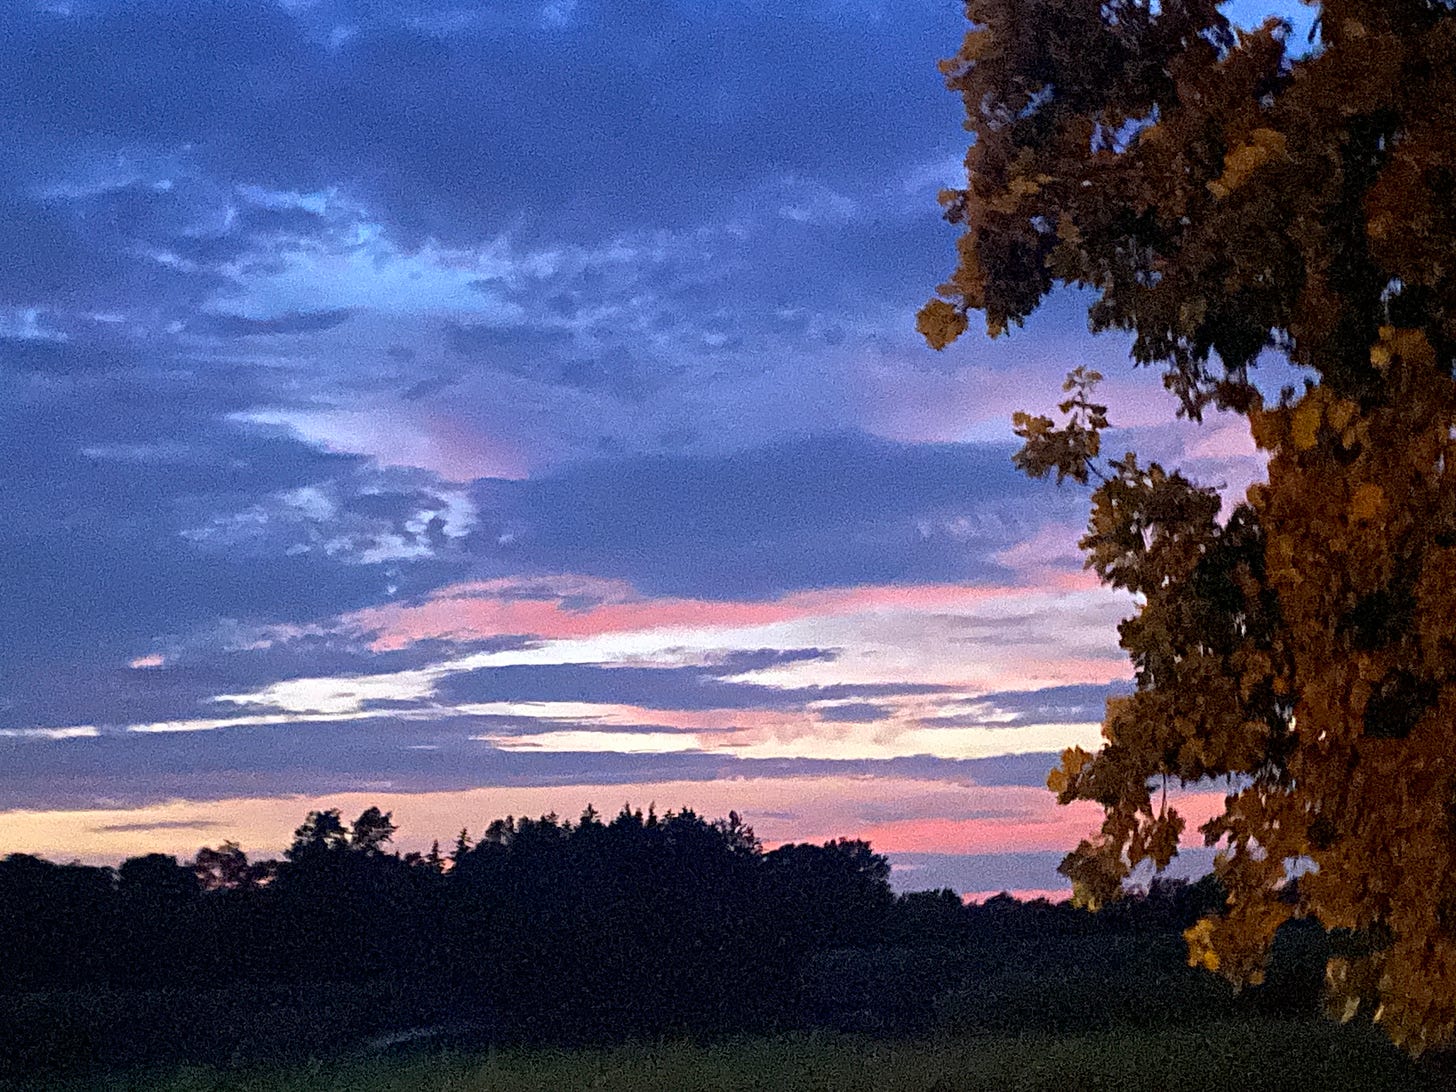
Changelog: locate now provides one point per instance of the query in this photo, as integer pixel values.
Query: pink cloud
(1047, 827)
(1050, 559)
(496, 608)
(1034, 673)
(402, 435)
(1042, 824)
(460, 452)
(1228, 441)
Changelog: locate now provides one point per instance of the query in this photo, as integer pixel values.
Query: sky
(484, 409)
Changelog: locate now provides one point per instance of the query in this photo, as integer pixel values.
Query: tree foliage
(550, 931)
(1223, 194)
(644, 923)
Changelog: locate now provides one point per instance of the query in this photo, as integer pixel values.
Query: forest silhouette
(546, 931)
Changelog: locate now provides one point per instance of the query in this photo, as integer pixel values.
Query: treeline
(541, 930)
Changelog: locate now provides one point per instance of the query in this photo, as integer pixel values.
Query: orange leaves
(1063, 779)
(1070, 449)
(1409, 211)
(1017, 192)
(1160, 839)
(1241, 162)
(1096, 870)
(1265, 426)
(1148, 526)
(940, 323)
(1304, 643)
(1301, 425)
(1411, 346)
(1367, 504)
(1237, 945)
(1305, 423)
(1201, 952)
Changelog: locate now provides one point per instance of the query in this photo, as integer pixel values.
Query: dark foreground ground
(1078, 1015)
(792, 967)
(1251, 1054)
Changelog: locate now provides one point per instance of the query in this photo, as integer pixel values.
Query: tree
(372, 831)
(738, 835)
(1222, 197)
(832, 895)
(322, 832)
(462, 846)
(156, 878)
(227, 868)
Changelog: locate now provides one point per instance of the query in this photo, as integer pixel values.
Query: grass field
(1246, 1055)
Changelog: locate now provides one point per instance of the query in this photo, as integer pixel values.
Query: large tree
(1226, 195)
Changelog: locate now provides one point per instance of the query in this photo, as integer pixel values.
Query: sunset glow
(471, 448)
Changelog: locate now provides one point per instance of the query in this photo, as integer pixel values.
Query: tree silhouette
(463, 844)
(156, 879)
(548, 931)
(372, 831)
(227, 868)
(836, 894)
(1220, 197)
(321, 832)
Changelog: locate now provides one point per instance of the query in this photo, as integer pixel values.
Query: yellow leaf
(940, 323)
(1305, 425)
(1241, 162)
(1413, 347)
(1367, 503)
(974, 45)
(1270, 140)
(1264, 427)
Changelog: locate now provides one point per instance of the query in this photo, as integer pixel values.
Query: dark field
(1257, 1055)
(1063, 1015)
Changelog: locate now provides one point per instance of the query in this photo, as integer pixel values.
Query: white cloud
(28, 324)
(337, 695)
(361, 267)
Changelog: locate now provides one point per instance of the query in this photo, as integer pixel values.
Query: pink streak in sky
(1044, 825)
(488, 609)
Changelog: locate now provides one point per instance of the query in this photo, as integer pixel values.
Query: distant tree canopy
(1222, 195)
(547, 930)
(645, 922)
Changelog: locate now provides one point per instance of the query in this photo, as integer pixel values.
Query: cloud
(824, 511)
(296, 759)
(735, 269)
(316, 375)
(160, 824)
(293, 322)
(461, 153)
(138, 512)
(670, 688)
(1052, 704)
(857, 712)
